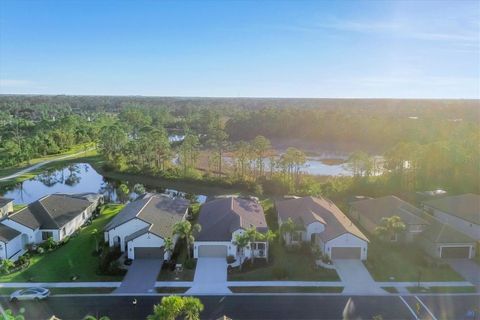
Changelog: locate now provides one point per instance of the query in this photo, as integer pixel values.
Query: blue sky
(349, 49)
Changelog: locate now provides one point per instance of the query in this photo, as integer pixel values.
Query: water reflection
(77, 178)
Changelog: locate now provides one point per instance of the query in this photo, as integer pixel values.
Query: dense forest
(425, 143)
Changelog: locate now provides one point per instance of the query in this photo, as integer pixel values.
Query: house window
(46, 235)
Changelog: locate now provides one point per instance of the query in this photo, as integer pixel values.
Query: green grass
(405, 263)
(286, 289)
(469, 289)
(73, 258)
(390, 289)
(7, 291)
(172, 290)
(298, 264)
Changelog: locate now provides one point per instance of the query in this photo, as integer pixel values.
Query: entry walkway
(210, 277)
(355, 277)
(141, 276)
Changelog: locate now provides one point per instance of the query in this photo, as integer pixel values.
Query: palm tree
(185, 230)
(393, 225)
(268, 237)
(288, 227)
(168, 246)
(242, 241)
(90, 317)
(169, 309)
(192, 308)
(253, 235)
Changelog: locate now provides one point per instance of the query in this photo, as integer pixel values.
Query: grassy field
(73, 258)
(399, 263)
(286, 289)
(469, 289)
(295, 265)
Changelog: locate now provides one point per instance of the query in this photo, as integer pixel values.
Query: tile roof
(7, 233)
(311, 209)
(158, 210)
(465, 206)
(222, 216)
(439, 232)
(388, 206)
(51, 212)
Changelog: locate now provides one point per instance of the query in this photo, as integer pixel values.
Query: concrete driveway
(468, 269)
(210, 277)
(356, 277)
(141, 276)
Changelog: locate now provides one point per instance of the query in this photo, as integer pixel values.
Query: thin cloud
(13, 83)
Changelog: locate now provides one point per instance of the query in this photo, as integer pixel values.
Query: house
(320, 222)
(56, 216)
(370, 212)
(142, 226)
(222, 219)
(460, 212)
(6, 206)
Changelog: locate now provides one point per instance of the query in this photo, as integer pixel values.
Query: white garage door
(212, 251)
(346, 253)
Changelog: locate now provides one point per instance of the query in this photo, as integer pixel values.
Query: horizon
(291, 50)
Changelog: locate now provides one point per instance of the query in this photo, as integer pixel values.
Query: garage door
(455, 252)
(148, 253)
(212, 251)
(346, 252)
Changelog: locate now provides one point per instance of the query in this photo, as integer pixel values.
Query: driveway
(355, 277)
(210, 277)
(468, 269)
(141, 276)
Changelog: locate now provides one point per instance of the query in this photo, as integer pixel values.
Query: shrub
(279, 273)
(190, 263)
(49, 244)
(230, 259)
(108, 262)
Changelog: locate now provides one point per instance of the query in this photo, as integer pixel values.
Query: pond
(76, 178)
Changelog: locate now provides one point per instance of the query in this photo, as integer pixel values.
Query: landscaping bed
(179, 256)
(293, 264)
(73, 260)
(390, 262)
(286, 289)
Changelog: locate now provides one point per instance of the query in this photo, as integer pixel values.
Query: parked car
(36, 293)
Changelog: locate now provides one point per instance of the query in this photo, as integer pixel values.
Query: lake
(75, 178)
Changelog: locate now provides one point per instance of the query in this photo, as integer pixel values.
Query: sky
(318, 49)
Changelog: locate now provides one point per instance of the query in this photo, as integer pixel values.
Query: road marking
(408, 306)
(428, 310)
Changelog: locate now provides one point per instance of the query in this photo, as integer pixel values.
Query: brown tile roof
(311, 209)
(220, 217)
(376, 209)
(465, 206)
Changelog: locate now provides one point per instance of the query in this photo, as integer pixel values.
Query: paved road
(250, 307)
(141, 276)
(41, 164)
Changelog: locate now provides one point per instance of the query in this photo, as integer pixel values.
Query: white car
(36, 293)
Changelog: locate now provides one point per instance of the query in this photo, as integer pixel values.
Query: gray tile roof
(51, 212)
(465, 206)
(388, 206)
(5, 201)
(311, 209)
(220, 217)
(161, 212)
(7, 233)
(438, 232)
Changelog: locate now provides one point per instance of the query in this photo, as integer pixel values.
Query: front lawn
(286, 289)
(387, 262)
(74, 258)
(284, 265)
(469, 289)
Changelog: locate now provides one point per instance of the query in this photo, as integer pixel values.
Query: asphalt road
(248, 307)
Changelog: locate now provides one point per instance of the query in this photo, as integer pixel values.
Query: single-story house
(55, 215)
(6, 206)
(222, 219)
(142, 226)
(320, 222)
(460, 212)
(369, 213)
(440, 240)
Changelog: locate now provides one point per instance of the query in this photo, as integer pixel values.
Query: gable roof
(51, 212)
(439, 232)
(388, 206)
(160, 211)
(220, 217)
(311, 209)
(7, 233)
(465, 206)
(5, 201)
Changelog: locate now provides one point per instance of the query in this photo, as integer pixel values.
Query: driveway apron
(210, 277)
(468, 269)
(141, 276)
(355, 277)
